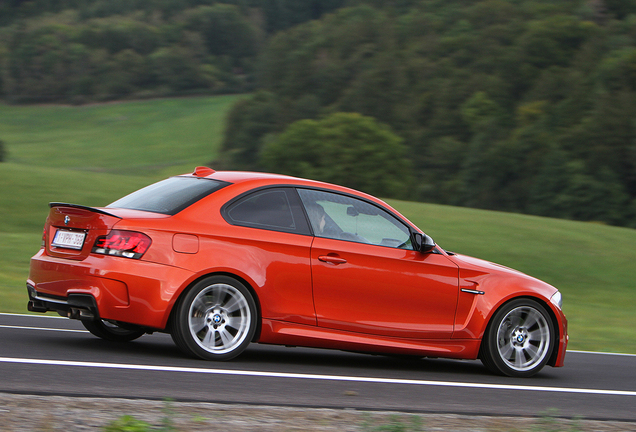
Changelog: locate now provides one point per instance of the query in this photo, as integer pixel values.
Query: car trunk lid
(71, 229)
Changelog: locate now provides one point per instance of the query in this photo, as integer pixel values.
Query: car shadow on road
(159, 349)
(326, 361)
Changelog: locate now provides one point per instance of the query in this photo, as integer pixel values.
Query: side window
(273, 209)
(346, 218)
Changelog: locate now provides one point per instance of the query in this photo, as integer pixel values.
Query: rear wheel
(519, 339)
(111, 331)
(215, 320)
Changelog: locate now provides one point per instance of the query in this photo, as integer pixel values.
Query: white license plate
(69, 239)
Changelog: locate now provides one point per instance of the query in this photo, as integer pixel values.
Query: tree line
(515, 105)
(77, 51)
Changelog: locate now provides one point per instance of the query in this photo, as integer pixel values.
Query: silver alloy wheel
(523, 338)
(219, 318)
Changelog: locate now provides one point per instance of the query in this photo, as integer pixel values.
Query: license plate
(69, 239)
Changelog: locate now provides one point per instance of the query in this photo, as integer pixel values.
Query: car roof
(253, 180)
(244, 176)
(266, 179)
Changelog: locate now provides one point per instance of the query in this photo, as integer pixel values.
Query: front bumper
(564, 338)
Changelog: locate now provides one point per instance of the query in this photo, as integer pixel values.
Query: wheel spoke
(532, 352)
(522, 315)
(233, 305)
(199, 305)
(237, 323)
(213, 297)
(197, 324)
(519, 358)
(539, 335)
(532, 321)
(507, 351)
(515, 322)
(208, 339)
(226, 338)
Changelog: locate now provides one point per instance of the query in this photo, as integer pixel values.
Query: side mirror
(423, 243)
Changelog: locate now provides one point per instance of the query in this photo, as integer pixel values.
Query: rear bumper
(76, 306)
(113, 288)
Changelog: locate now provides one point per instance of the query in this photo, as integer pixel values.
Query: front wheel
(519, 339)
(110, 331)
(215, 320)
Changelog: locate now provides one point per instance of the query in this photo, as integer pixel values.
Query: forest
(78, 51)
(514, 105)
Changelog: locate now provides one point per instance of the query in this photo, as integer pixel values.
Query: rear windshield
(169, 196)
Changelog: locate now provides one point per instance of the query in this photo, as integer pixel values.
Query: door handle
(332, 259)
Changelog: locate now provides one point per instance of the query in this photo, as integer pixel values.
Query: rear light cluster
(127, 244)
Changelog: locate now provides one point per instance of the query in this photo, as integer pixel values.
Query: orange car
(222, 259)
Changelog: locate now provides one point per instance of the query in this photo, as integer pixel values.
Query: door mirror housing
(423, 243)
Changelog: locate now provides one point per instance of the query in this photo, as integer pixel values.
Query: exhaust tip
(32, 307)
(78, 313)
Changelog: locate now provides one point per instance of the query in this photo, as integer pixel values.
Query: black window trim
(303, 228)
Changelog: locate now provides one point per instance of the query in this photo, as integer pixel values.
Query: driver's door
(367, 278)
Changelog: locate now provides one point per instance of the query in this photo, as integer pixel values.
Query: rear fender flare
(181, 293)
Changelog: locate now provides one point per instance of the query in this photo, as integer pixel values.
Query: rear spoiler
(77, 206)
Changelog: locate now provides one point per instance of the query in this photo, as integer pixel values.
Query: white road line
(32, 316)
(43, 328)
(602, 353)
(315, 377)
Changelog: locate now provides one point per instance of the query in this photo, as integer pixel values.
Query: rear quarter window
(276, 209)
(169, 196)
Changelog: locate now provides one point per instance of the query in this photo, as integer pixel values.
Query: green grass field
(95, 154)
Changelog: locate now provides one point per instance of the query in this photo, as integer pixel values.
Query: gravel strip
(56, 413)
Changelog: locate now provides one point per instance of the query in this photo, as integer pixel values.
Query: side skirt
(286, 333)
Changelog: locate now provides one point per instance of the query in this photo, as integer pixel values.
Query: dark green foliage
(282, 14)
(343, 148)
(224, 29)
(524, 106)
(86, 50)
(2, 151)
(249, 122)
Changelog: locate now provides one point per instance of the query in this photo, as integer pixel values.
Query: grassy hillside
(131, 138)
(93, 155)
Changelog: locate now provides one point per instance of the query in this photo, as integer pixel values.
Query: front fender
(481, 295)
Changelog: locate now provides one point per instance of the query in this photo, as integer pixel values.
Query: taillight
(44, 237)
(127, 244)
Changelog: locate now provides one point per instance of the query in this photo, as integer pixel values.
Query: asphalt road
(56, 356)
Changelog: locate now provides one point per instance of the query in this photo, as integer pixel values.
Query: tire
(519, 339)
(215, 320)
(112, 332)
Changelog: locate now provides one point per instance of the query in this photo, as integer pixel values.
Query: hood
(486, 266)
(489, 274)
